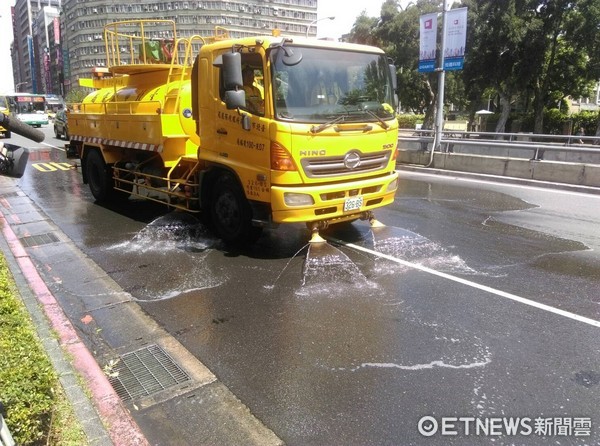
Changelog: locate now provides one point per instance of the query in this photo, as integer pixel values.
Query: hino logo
(320, 152)
(352, 160)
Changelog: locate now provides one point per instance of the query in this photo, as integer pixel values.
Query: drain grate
(144, 372)
(37, 240)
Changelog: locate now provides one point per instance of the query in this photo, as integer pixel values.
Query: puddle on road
(147, 261)
(421, 346)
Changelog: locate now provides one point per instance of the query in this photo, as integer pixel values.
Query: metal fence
(566, 148)
(6, 438)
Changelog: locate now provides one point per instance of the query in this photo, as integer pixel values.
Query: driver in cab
(325, 91)
(254, 97)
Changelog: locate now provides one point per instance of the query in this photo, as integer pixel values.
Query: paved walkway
(98, 324)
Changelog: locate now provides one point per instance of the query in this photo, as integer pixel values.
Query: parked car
(61, 128)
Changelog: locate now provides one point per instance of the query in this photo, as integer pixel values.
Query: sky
(344, 11)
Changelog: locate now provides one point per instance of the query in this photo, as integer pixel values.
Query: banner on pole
(428, 40)
(456, 38)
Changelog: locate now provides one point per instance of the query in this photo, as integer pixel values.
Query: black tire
(231, 213)
(98, 176)
(56, 133)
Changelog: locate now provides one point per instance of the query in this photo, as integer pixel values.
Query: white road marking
(469, 283)
(53, 147)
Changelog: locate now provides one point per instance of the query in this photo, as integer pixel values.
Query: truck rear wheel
(231, 213)
(98, 176)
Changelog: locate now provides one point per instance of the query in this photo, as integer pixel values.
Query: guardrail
(550, 158)
(6, 438)
(521, 136)
(506, 144)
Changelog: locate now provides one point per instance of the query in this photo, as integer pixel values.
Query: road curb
(117, 422)
(499, 179)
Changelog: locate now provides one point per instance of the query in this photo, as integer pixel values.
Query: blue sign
(453, 63)
(426, 66)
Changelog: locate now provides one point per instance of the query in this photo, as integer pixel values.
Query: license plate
(352, 204)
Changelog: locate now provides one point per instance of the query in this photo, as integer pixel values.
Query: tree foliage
(524, 54)
(76, 95)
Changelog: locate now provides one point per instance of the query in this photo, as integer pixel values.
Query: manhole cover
(144, 372)
(37, 240)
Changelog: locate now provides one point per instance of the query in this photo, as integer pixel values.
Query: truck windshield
(329, 84)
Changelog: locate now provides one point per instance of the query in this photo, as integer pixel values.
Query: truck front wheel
(231, 213)
(98, 176)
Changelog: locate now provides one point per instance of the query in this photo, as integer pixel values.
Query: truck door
(247, 151)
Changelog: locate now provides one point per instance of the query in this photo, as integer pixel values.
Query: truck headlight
(294, 199)
(392, 186)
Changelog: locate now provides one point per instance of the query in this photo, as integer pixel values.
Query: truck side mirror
(394, 77)
(235, 99)
(394, 74)
(232, 71)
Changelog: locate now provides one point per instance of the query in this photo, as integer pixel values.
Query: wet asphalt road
(338, 345)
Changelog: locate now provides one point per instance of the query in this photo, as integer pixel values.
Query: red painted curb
(122, 429)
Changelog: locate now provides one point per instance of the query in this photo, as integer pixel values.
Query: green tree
(532, 52)
(362, 30)
(558, 46)
(493, 63)
(397, 32)
(76, 95)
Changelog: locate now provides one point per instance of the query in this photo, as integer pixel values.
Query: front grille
(338, 195)
(323, 167)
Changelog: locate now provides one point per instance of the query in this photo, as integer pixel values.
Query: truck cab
(320, 147)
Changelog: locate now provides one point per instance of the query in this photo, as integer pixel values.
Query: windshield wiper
(384, 124)
(321, 127)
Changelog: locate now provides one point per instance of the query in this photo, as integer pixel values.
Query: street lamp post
(439, 119)
(318, 20)
(18, 85)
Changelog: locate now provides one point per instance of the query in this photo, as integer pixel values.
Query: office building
(82, 23)
(31, 42)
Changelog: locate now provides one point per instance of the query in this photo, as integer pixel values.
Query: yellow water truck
(251, 132)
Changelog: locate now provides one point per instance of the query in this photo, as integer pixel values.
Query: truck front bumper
(332, 202)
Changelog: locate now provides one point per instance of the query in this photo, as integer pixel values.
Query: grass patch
(37, 410)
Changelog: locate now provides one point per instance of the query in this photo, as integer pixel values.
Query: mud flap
(71, 151)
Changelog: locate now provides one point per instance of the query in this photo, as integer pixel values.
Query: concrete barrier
(558, 167)
(591, 176)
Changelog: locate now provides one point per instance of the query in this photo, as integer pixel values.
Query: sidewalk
(163, 394)
(97, 398)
